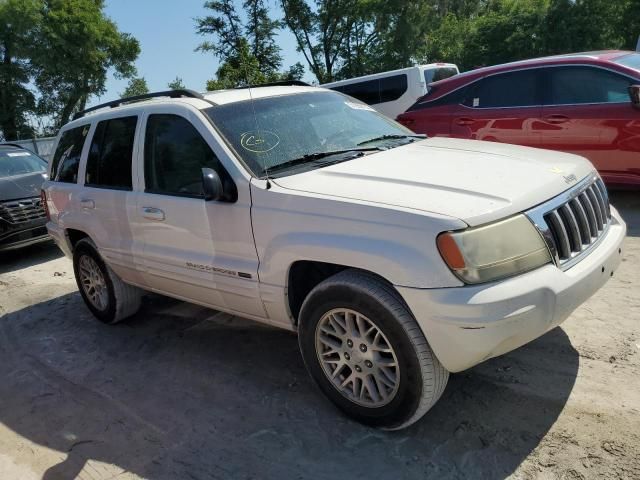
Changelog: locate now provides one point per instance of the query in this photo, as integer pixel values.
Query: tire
(120, 300)
(333, 308)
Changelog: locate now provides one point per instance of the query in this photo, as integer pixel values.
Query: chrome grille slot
(575, 221)
(21, 211)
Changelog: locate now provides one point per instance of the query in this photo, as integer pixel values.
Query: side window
(580, 85)
(392, 88)
(109, 160)
(513, 89)
(66, 159)
(174, 155)
(367, 92)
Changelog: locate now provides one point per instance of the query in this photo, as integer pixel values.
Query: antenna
(638, 44)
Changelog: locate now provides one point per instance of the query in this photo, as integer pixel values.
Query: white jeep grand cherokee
(397, 259)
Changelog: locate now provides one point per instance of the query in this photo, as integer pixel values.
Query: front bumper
(467, 325)
(22, 235)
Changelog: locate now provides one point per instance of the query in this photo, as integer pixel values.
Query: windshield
(436, 74)
(632, 61)
(20, 162)
(298, 129)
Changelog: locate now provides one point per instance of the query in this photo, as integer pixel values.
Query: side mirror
(634, 94)
(211, 185)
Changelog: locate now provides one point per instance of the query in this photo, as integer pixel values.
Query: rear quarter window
(66, 159)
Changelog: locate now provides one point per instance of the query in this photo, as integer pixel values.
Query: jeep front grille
(575, 221)
(20, 211)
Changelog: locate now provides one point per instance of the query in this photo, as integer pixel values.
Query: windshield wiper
(310, 157)
(391, 137)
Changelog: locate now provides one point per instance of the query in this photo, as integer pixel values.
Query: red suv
(580, 103)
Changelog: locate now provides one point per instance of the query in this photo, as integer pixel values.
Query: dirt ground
(184, 392)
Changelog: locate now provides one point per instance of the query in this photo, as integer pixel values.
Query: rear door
(107, 201)
(505, 107)
(197, 250)
(587, 111)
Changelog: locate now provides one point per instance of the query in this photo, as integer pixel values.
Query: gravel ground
(185, 392)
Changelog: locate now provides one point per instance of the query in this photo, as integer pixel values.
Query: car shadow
(12, 260)
(628, 204)
(184, 392)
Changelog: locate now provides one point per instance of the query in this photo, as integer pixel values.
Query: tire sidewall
(86, 248)
(344, 295)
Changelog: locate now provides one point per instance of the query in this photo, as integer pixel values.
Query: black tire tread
(434, 375)
(128, 298)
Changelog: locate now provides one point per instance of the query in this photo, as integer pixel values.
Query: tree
(321, 33)
(136, 86)
(248, 52)
(19, 20)
(176, 84)
(76, 46)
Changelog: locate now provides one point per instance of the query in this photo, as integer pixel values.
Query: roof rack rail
(282, 83)
(137, 98)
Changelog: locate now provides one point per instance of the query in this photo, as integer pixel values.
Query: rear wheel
(105, 294)
(366, 352)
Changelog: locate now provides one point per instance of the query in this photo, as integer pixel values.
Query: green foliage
(61, 48)
(176, 84)
(249, 52)
(321, 33)
(505, 30)
(136, 86)
(18, 27)
(77, 46)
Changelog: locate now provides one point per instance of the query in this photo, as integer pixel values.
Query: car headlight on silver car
(494, 251)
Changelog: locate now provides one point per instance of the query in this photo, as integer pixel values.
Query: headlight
(494, 251)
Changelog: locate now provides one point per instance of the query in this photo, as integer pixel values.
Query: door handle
(464, 121)
(557, 118)
(87, 204)
(153, 213)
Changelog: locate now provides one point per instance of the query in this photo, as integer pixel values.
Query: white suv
(396, 259)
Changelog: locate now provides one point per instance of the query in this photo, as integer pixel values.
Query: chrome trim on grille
(574, 222)
(21, 211)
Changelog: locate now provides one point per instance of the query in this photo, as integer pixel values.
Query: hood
(21, 186)
(477, 182)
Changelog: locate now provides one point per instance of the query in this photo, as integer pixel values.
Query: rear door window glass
(437, 74)
(111, 152)
(392, 88)
(583, 85)
(513, 89)
(66, 159)
(367, 92)
(174, 155)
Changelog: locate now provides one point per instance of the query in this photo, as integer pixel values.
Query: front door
(587, 111)
(501, 108)
(196, 250)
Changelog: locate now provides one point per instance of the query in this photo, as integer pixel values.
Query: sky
(167, 36)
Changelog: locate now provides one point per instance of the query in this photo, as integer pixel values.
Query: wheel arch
(304, 275)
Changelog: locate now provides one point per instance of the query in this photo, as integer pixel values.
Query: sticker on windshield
(476, 102)
(18, 154)
(359, 106)
(261, 141)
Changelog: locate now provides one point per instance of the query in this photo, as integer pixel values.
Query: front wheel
(107, 296)
(366, 352)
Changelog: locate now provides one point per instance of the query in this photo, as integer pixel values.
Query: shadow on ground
(628, 204)
(26, 257)
(183, 392)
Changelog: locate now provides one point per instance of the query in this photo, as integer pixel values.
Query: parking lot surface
(180, 391)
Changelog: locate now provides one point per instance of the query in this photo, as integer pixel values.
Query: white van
(391, 93)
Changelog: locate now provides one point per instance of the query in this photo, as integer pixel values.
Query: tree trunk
(8, 120)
